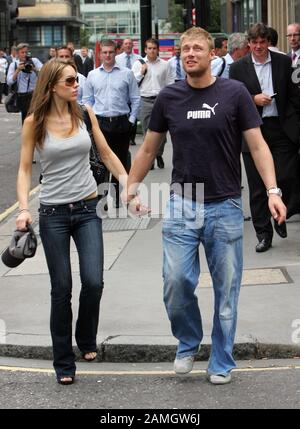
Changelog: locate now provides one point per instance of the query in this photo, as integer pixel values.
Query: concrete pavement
(133, 323)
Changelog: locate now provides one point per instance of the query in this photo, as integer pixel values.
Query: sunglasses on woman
(69, 81)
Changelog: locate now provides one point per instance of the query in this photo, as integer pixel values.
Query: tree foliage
(176, 17)
(215, 16)
(85, 34)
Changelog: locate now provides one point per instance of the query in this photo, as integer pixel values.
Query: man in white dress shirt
(152, 76)
(126, 59)
(175, 65)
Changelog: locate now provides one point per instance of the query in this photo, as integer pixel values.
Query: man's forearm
(140, 167)
(264, 163)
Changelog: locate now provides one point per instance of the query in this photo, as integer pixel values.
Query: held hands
(277, 208)
(134, 206)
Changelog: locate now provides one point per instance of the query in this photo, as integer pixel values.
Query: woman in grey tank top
(68, 207)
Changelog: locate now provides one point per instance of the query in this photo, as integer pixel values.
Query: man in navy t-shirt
(206, 118)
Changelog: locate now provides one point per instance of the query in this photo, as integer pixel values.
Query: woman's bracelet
(23, 210)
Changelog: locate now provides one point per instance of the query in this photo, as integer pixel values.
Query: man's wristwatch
(275, 191)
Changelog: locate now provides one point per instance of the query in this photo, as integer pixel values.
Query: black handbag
(99, 170)
(11, 102)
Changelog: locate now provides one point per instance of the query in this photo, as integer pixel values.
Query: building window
(53, 35)
(251, 13)
(297, 10)
(57, 35)
(34, 35)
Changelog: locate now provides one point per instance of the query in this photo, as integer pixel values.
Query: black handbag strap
(223, 67)
(94, 154)
(86, 118)
(142, 62)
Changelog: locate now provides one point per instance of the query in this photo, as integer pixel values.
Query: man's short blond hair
(22, 46)
(198, 33)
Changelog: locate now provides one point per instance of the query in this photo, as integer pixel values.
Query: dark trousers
(24, 101)
(133, 132)
(2, 86)
(117, 134)
(58, 223)
(146, 110)
(284, 154)
(294, 203)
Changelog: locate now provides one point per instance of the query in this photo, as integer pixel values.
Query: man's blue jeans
(58, 223)
(221, 233)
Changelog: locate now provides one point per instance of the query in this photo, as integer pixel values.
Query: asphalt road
(10, 143)
(258, 385)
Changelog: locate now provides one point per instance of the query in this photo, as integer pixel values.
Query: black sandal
(65, 380)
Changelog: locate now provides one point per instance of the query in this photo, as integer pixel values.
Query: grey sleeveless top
(65, 165)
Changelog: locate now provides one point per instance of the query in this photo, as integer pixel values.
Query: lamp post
(146, 21)
(202, 13)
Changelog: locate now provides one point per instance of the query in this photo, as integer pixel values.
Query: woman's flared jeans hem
(58, 223)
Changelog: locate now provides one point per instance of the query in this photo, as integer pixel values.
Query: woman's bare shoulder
(29, 120)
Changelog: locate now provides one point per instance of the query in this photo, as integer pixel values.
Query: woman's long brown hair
(41, 101)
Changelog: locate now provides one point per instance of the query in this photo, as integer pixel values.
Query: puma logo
(212, 109)
(202, 114)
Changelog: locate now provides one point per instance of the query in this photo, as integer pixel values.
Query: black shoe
(263, 245)
(280, 229)
(152, 167)
(160, 162)
(132, 143)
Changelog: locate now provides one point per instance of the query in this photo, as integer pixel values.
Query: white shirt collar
(116, 66)
(152, 62)
(268, 60)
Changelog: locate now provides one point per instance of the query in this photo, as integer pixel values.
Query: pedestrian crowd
(220, 100)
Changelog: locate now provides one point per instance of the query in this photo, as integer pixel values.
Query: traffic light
(13, 13)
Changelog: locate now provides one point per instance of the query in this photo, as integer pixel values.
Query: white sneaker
(184, 365)
(219, 378)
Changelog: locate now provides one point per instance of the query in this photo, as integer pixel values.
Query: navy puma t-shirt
(206, 129)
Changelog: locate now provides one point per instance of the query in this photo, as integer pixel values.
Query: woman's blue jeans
(58, 223)
(219, 227)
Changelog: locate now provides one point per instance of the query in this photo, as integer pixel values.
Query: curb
(12, 208)
(155, 353)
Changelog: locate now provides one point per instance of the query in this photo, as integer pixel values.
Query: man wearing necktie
(126, 59)
(110, 90)
(175, 65)
(293, 36)
(268, 77)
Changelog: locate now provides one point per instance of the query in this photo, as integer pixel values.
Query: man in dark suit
(267, 76)
(293, 36)
(83, 62)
